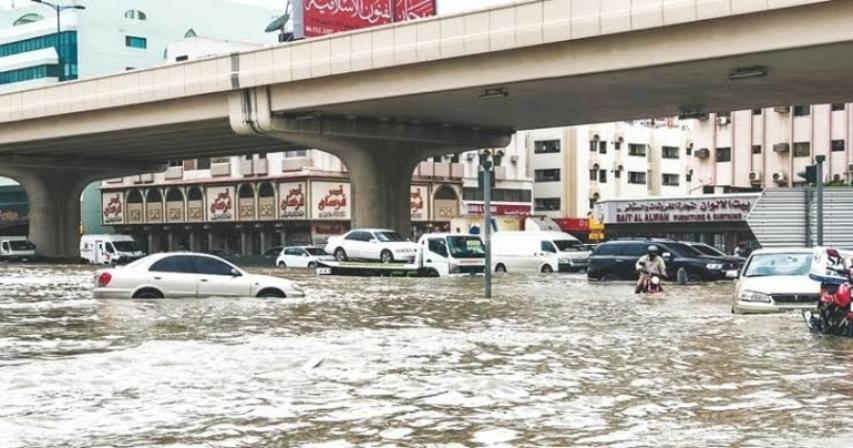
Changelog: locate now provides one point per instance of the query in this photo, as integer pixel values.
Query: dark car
(616, 260)
(224, 253)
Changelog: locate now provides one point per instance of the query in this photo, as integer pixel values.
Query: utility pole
(819, 185)
(486, 163)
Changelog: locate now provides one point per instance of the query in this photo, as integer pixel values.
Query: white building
(575, 167)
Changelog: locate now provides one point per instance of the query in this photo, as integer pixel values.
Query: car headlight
(714, 266)
(565, 261)
(753, 296)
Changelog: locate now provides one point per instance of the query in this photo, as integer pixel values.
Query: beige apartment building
(575, 167)
(751, 150)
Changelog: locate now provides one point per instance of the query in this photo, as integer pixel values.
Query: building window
(297, 154)
(134, 14)
(689, 149)
(802, 149)
(552, 175)
(220, 160)
(498, 194)
(688, 177)
(617, 145)
(29, 73)
(636, 150)
(617, 174)
(670, 152)
(838, 106)
(67, 50)
(838, 145)
(203, 164)
(176, 163)
(602, 176)
(547, 204)
(670, 180)
(636, 177)
(593, 175)
(724, 154)
(546, 147)
(593, 145)
(182, 58)
(757, 111)
(602, 147)
(802, 111)
(454, 158)
(136, 42)
(756, 149)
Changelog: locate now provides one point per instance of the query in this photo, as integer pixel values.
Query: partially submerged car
(776, 280)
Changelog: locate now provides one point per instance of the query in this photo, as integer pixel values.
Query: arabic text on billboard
(682, 211)
(319, 17)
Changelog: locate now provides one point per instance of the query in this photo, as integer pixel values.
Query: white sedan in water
(184, 274)
(774, 280)
(382, 245)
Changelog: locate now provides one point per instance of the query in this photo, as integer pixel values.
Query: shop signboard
(573, 225)
(135, 213)
(175, 211)
(195, 211)
(113, 208)
(293, 200)
(420, 202)
(330, 201)
(676, 211)
(313, 18)
(220, 204)
(154, 212)
(445, 209)
(478, 209)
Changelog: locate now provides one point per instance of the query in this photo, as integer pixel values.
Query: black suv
(616, 260)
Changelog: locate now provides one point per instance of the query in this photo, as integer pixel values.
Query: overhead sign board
(313, 18)
(681, 210)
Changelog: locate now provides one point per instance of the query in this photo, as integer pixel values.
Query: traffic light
(810, 174)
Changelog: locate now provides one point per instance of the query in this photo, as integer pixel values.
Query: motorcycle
(652, 285)
(833, 314)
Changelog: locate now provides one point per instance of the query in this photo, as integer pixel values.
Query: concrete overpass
(383, 99)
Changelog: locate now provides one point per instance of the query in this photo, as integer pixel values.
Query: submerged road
(552, 360)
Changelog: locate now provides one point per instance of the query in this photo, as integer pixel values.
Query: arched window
(446, 193)
(266, 190)
(190, 33)
(134, 197)
(246, 191)
(195, 194)
(135, 14)
(174, 195)
(28, 18)
(154, 195)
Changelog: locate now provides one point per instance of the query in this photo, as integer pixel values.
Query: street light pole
(487, 215)
(58, 10)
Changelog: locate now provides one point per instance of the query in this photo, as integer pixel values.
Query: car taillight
(104, 279)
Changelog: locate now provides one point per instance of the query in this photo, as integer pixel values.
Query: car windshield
(569, 246)
(708, 250)
(22, 245)
(682, 250)
(466, 247)
(766, 265)
(389, 237)
(315, 251)
(125, 246)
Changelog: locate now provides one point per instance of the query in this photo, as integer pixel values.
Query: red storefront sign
(573, 225)
(499, 209)
(318, 17)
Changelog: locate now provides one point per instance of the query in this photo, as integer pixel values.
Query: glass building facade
(66, 47)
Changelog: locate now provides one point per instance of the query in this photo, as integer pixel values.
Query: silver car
(774, 280)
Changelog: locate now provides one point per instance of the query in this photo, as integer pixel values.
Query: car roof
(372, 230)
(784, 250)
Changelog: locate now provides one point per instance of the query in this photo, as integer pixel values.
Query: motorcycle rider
(649, 265)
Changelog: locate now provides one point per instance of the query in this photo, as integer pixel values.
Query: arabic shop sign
(220, 203)
(113, 209)
(679, 211)
(293, 201)
(330, 200)
(419, 201)
(313, 18)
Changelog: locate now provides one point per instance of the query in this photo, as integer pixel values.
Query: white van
(447, 254)
(109, 249)
(538, 251)
(17, 248)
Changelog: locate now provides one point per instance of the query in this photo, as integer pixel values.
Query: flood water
(551, 361)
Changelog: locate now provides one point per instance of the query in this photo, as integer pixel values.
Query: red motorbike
(833, 315)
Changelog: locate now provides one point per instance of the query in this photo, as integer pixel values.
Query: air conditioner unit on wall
(781, 148)
(703, 153)
(780, 178)
(755, 177)
(722, 121)
(783, 109)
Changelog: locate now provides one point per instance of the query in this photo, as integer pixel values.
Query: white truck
(109, 249)
(538, 251)
(16, 248)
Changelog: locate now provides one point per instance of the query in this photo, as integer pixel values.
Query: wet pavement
(551, 361)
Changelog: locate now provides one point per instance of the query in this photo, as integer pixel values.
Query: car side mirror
(235, 273)
(733, 275)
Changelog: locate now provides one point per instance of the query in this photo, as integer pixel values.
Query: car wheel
(501, 269)
(148, 294)
(433, 273)
(386, 257)
(340, 254)
(271, 294)
(312, 265)
(281, 264)
(547, 269)
(609, 278)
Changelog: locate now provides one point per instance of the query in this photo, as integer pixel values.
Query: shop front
(718, 220)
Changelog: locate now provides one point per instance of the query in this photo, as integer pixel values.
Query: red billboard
(318, 17)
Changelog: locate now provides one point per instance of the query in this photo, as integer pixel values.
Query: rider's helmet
(653, 250)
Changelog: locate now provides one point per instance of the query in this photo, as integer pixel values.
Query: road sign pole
(487, 225)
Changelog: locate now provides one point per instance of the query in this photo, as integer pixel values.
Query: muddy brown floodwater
(551, 361)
